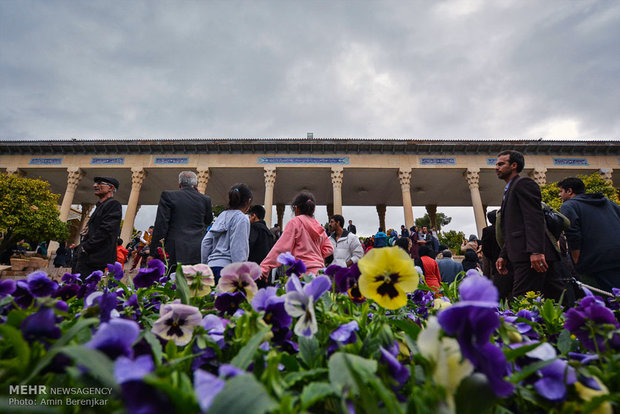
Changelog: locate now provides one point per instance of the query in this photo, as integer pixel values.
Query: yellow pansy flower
(387, 275)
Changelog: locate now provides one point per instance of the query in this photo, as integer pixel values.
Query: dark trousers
(85, 269)
(526, 279)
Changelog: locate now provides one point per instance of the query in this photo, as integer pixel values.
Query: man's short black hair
(446, 253)
(338, 219)
(574, 184)
(258, 211)
(515, 156)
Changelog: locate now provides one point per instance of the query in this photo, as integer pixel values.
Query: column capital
(337, 175)
(605, 173)
(539, 175)
(203, 178)
(14, 171)
(138, 174)
(74, 176)
(472, 175)
(404, 176)
(270, 176)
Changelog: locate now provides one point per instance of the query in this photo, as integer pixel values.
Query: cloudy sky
(259, 69)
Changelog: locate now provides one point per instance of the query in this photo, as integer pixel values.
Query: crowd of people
(516, 250)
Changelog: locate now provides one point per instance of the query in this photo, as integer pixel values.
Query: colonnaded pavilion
(353, 172)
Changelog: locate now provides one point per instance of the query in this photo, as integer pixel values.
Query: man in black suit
(182, 219)
(526, 249)
(97, 248)
(351, 227)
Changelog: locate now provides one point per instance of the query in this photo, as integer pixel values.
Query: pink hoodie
(306, 239)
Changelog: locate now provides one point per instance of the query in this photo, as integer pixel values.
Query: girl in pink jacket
(303, 236)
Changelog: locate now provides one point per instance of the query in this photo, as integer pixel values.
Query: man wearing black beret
(97, 248)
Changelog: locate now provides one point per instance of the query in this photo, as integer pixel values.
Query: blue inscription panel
(570, 161)
(45, 161)
(171, 160)
(107, 161)
(437, 161)
(491, 161)
(303, 160)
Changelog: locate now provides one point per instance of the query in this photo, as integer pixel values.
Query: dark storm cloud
(280, 69)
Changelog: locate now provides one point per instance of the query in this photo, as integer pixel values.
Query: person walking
(448, 267)
(303, 237)
(228, 239)
(347, 247)
(97, 248)
(182, 218)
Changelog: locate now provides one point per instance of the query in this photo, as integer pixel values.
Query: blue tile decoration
(492, 161)
(46, 161)
(303, 160)
(570, 161)
(171, 160)
(437, 161)
(107, 161)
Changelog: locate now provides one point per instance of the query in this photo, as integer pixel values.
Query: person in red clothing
(428, 264)
(303, 236)
(121, 252)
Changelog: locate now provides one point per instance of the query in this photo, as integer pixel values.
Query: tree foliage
(28, 210)
(453, 239)
(594, 184)
(440, 220)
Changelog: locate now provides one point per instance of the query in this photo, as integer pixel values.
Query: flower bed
(365, 339)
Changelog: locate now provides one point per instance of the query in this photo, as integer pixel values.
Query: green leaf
(242, 394)
(512, 354)
(411, 328)
(294, 377)
(548, 311)
(244, 357)
(529, 370)
(97, 363)
(182, 286)
(152, 340)
(171, 350)
(469, 396)
(340, 375)
(314, 392)
(309, 351)
(61, 342)
(565, 342)
(20, 346)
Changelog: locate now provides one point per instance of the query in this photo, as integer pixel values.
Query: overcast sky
(260, 69)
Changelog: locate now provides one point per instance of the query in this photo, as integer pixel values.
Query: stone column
(472, 175)
(330, 210)
(539, 175)
(137, 178)
(86, 209)
(381, 213)
(14, 171)
(203, 178)
(337, 174)
(404, 176)
(431, 209)
(605, 174)
(270, 181)
(280, 212)
(74, 175)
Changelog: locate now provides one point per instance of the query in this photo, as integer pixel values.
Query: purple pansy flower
(94, 277)
(68, 291)
(7, 287)
(229, 302)
(398, 371)
(62, 306)
(215, 327)
(300, 302)
(554, 379)
(294, 266)
(71, 278)
(585, 359)
(206, 387)
(116, 269)
(239, 277)
(591, 312)
(126, 369)
(150, 274)
(177, 322)
(345, 334)
(115, 338)
(22, 294)
(273, 305)
(41, 325)
(472, 320)
(40, 285)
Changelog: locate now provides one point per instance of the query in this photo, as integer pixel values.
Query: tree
(440, 220)
(452, 239)
(594, 184)
(28, 210)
